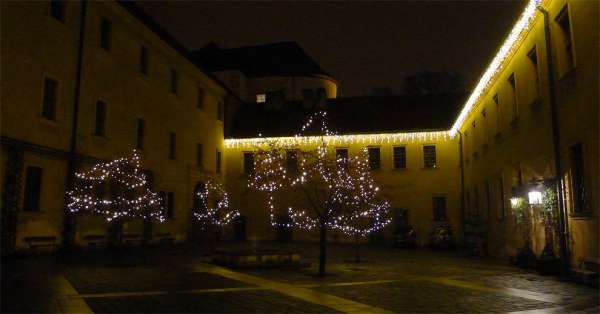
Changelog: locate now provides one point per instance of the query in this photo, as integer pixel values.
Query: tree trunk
(356, 249)
(322, 249)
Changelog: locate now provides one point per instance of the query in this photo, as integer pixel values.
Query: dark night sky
(362, 44)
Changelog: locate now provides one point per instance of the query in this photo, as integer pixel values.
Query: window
(291, 159)
(473, 139)
(201, 95)
(168, 201)
(321, 94)
(50, 99)
(399, 157)
(484, 126)
(199, 155)
(141, 126)
(174, 82)
(172, 145)
(498, 114)
(577, 178)
(565, 25)
(100, 129)
(374, 158)
(57, 10)
(341, 156)
(248, 163)
(488, 200)
(429, 156)
(218, 161)
(501, 206)
(439, 208)
(33, 187)
(220, 111)
(105, 34)
(307, 94)
(261, 98)
(532, 55)
(515, 104)
(144, 60)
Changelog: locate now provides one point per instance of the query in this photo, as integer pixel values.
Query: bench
(95, 240)
(41, 242)
(133, 239)
(164, 238)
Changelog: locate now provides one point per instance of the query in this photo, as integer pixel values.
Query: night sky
(362, 44)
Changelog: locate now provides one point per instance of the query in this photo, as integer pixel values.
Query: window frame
(105, 34)
(140, 134)
(38, 188)
(54, 104)
(394, 165)
(63, 10)
(248, 156)
(435, 165)
(105, 115)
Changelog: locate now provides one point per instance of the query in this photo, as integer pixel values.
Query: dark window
(439, 208)
(33, 189)
(174, 82)
(308, 94)
(577, 176)
(565, 25)
(170, 205)
(532, 55)
(149, 174)
(105, 34)
(50, 99)
(399, 157)
(501, 210)
(321, 94)
(291, 158)
(199, 155)
(515, 104)
(218, 161)
(141, 126)
(248, 163)
(429, 156)
(201, 95)
(172, 145)
(220, 111)
(341, 156)
(144, 60)
(374, 158)
(100, 128)
(498, 117)
(57, 9)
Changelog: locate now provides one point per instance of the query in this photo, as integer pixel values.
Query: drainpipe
(462, 184)
(69, 221)
(563, 223)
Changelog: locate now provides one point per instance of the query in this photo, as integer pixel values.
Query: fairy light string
(116, 190)
(212, 208)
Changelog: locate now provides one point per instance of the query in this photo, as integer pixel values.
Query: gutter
(69, 222)
(563, 223)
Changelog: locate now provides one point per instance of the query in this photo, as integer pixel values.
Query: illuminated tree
(331, 193)
(362, 212)
(116, 190)
(212, 209)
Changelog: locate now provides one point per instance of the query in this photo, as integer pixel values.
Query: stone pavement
(179, 279)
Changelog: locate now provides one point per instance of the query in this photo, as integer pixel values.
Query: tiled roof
(285, 59)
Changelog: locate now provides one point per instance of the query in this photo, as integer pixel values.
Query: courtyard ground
(180, 279)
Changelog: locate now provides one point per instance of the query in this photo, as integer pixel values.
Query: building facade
(90, 81)
(535, 124)
(132, 87)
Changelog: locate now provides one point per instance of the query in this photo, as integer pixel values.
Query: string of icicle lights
(213, 207)
(341, 140)
(508, 47)
(116, 189)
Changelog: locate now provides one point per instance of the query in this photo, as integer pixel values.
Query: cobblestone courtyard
(181, 280)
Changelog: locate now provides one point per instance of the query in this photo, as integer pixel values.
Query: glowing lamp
(514, 202)
(535, 198)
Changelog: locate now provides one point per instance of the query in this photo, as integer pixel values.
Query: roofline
(517, 33)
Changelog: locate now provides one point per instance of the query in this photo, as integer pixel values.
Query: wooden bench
(132, 239)
(41, 242)
(96, 240)
(164, 238)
